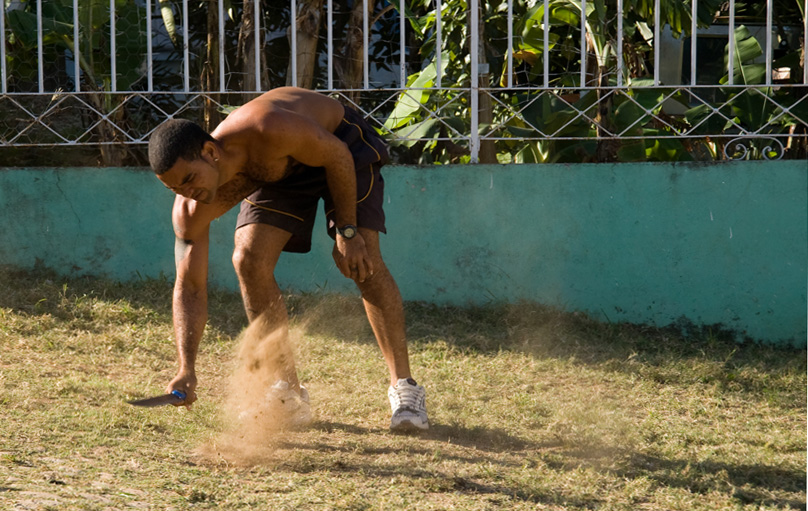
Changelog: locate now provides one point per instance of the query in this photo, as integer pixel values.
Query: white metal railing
(82, 97)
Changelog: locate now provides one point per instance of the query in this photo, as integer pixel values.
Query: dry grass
(531, 409)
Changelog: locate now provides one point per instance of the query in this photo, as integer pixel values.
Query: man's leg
(385, 311)
(257, 249)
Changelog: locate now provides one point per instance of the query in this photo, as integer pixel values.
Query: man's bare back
(260, 125)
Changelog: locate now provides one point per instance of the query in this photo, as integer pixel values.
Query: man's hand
(184, 382)
(352, 259)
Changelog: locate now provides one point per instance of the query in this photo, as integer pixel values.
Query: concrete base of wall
(723, 245)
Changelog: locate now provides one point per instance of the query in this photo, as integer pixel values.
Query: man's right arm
(190, 302)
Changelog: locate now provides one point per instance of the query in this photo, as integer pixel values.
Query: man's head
(174, 139)
(185, 157)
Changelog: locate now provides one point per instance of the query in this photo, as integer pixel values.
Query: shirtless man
(278, 155)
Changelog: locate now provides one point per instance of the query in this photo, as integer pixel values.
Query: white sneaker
(408, 402)
(283, 406)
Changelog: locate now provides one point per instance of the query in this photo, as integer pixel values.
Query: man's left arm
(318, 148)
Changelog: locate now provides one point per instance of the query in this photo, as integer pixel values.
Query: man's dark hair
(174, 139)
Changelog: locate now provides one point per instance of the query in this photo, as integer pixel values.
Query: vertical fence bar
(186, 64)
(694, 30)
(731, 63)
(619, 43)
(474, 142)
(365, 44)
(769, 54)
(221, 46)
(401, 44)
(113, 67)
(3, 85)
(330, 22)
(257, 37)
(546, 49)
(657, 46)
(39, 51)
(438, 42)
(583, 43)
(510, 44)
(805, 38)
(76, 50)
(293, 56)
(149, 48)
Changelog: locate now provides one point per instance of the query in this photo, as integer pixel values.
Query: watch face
(348, 232)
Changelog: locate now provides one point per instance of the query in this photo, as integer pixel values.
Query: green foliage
(93, 44)
(756, 110)
(441, 117)
(634, 112)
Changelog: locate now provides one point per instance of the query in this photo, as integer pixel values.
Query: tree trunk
(308, 20)
(210, 69)
(485, 114)
(111, 154)
(350, 65)
(246, 53)
(607, 144)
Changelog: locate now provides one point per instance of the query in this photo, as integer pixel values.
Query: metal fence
(105, 75)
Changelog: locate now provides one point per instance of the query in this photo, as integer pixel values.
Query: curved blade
(166, 399)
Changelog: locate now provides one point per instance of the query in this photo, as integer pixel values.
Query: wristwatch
(347, 232)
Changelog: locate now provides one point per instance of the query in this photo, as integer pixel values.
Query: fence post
(474, 142)
(77, 51)
(39, 50)
(3, 87)
(805, 45)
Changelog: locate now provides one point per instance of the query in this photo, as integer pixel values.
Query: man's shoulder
(254, 124)
(192, 219)
(188, 218)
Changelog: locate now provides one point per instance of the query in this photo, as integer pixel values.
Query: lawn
(531, 408)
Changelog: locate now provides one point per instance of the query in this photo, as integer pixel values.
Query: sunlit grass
(531, 409)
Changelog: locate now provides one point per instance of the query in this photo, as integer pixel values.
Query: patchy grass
(531, 409)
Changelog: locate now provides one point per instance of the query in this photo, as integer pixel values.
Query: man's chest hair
(232, 192)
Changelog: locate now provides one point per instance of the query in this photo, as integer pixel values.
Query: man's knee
(245, 261)
(380, 282)
(257, 248)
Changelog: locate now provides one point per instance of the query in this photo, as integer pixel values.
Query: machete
(176, 396)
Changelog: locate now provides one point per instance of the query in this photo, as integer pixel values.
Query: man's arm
(312, 145)
(191, 221)
(190, 302)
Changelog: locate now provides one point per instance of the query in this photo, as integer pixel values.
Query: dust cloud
(251, 430)
(251, 434)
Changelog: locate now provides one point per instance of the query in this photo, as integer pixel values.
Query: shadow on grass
(748, 483)
(479, 438)
(468, 449)
(70, 299)
(465, 449)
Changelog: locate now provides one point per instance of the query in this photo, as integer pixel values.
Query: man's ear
(210, 151)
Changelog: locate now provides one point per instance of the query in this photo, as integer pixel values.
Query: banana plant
(93, 44)
(557, 115)
(167, 14)
(92, 51)
(753, 113)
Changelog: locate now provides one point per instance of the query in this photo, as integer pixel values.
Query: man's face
(197, 180)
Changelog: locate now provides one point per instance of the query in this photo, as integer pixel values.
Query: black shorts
(291, 203)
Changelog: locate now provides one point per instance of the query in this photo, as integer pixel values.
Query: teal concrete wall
(720, 244)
